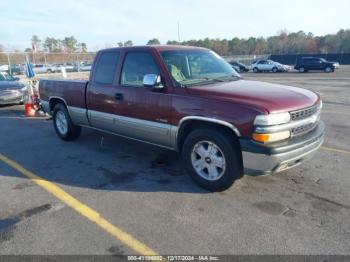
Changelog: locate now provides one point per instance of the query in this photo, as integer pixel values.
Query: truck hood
(268, 97)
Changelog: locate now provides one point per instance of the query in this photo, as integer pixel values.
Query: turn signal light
(273, 137)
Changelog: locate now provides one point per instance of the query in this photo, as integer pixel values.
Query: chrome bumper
(261, 159)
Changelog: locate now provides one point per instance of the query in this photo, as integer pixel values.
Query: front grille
(300, 130)
(303, 113)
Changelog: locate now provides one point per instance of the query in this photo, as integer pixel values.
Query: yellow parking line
(335, 150)
(82, 209)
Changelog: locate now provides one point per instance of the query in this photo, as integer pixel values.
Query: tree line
(282, 43)
(52, 45)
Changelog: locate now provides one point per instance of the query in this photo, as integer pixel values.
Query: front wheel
(275, 70)
(64, 127)
(212, 159)
(328, 69)
(255, 70)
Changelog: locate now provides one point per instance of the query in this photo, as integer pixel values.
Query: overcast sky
(104, 23)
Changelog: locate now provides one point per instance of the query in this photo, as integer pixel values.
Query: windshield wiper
(208, 80)
(224, 78)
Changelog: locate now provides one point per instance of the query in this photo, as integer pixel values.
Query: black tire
(302, 70)
(275, 70)
(328, 69)
(255, 70)
(72, 131)
(230, 153)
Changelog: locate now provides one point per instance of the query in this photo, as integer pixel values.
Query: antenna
(178, 31)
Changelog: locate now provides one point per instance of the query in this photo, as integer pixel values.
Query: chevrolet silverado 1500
(190, 100)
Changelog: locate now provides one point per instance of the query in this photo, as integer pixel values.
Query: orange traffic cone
(29, 109)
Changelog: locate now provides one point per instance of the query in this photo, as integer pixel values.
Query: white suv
(269, 65)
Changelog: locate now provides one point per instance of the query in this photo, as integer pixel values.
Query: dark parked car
(315, 63)
(239, 67)
(11, 91)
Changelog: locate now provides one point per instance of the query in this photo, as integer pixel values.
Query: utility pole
(9, 64)
(178, 31)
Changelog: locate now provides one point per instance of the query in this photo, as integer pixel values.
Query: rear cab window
(106, 67)
(136, 65)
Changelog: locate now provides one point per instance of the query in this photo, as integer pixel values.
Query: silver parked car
(43, 68)
(85, 66)
(12, 91)
(70, 67)
(269, 66)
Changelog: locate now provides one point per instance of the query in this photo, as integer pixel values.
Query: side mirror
(153, 81)
(16, 78)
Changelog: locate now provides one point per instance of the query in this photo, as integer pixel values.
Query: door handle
(119, 96)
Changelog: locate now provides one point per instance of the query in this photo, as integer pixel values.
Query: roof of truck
(157, 47)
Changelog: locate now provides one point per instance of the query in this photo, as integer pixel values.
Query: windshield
(6, 77)
(193, 67)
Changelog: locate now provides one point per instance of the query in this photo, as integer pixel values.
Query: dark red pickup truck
(190, 100)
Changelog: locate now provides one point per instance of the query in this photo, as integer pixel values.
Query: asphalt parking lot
(143, 192)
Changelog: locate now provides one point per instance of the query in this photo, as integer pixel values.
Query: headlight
(272, 119)
(24, 89)
(273, 137)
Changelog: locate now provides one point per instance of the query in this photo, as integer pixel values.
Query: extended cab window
(136, 66)
(106, 68)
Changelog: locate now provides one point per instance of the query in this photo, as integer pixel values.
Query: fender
(176, 130)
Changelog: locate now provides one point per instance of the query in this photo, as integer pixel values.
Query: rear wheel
(211, 159)
(63, 124)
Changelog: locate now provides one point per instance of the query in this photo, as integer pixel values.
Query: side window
(136, 65)
(106, 68)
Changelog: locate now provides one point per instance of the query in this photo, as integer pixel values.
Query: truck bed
(72, 91)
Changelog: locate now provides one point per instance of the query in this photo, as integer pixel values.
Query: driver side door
(143, 113)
